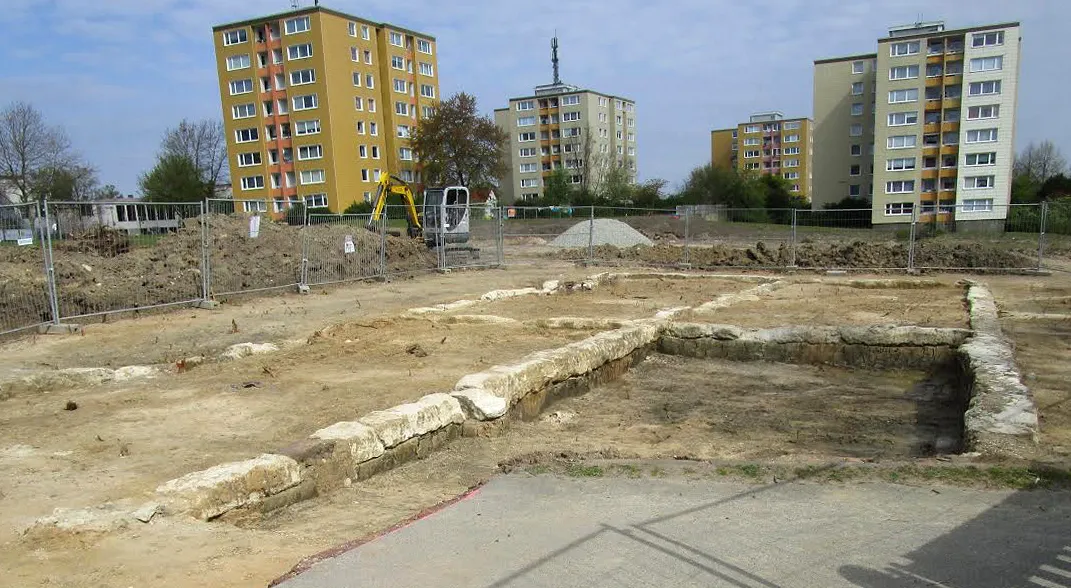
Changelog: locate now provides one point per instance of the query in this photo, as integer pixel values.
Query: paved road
(546, 531)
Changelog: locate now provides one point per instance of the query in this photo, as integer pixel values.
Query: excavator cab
(446, 215)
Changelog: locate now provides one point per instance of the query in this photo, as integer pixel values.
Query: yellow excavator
(445, 217)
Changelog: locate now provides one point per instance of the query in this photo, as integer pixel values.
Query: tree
(175, 179)
(778, 197)
(1040, 162)
(107, 192)
(712, 185)
(1058, 186)
(202, 142)
(556, 189)
(69, 183)
(457, 145)
(1023, 189)
(29, 147)
(649, 194)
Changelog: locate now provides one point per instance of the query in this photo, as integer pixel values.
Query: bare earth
(666, 407)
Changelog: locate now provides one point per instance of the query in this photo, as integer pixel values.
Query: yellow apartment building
(768, 144)
(318, 103)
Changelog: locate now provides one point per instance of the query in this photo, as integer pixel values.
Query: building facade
(318, 103)
(768, 144)
(939, 133)
(560, 126)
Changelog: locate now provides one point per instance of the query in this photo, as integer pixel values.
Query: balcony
(931, 128)
(950, 127)
(929, 174)
(953, 79)
(949, 149)
(952, 102)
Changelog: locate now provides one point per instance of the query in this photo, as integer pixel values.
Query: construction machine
(443, 221)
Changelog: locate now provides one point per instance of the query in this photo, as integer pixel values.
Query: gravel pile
(606, 232)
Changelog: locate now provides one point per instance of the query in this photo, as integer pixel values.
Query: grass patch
(537, 469)
(628, 469)
(578, 470)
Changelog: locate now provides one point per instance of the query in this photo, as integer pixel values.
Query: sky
(117, 73)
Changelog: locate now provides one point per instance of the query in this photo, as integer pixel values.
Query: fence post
(591, 236)
(500, 237)
(792, 243)
(1041, 233)
(50, 270)
(383, 245)
(204, 250)
(687, 236)
(911, 242)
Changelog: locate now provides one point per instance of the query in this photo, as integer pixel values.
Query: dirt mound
(858, 254)
(158, 269)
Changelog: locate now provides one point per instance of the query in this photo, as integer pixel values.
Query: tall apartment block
(768, 144)
(925, 127)
(561, 126)
(318, 103)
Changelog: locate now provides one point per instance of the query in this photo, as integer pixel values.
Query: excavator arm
(388, 185)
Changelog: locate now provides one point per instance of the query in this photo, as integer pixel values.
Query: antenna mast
(554, 56)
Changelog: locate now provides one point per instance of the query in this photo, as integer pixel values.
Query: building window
(750, 154)
(901, 49)
(403, 131)
(375, 151)
(980, 112)
(252, 182)
(373, 129)
(307, 127)
(529, 167)
(238, 62)
(355, 55)
(987, 64)
(316, 200)
(306, 102)
(362, 151)
(570, 116)
(405, 154)
(987, 39)
(313, 176)
(904, 72)
(752, 141)
(399, 86)
(427, 69)
(982, 136)
(527, 152)
(856, 130)
(241, 87)
(792, 175)
(857, 150)
(367, 57)
(246, 135)
(899, 186)
(364, 175)
(401, 108)
(570, 100)
(526, 121)
(792, 163)
(244, 110)
(529, 182)
(906, 95)
(987, 88)
(900, 164)
(857, 89)
(857, 109)
(902, 141)
(975, 159)
(276, 56)
(302, 76)
(302, 51)
(858, 67)
(297, 25)
(249, 159)
(855, 170)
(792, 138)
(310, 152)
(396, 39)
(899, 119)
(525, 105)
(235, 37)
(899, 208)
(978, 182)
(397, 63)
(370, 83)
(525, 137)
(977, 205)
(254, 205)
(365, 34)
(854, 189)
(753, 129)
(427, 90)
(353, 29)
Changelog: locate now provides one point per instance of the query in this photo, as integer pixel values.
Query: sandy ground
(803, 414)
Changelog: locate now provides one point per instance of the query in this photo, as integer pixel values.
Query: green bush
(358, 208)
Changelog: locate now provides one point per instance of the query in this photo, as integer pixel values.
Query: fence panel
(979, 236)
(24, 288)
(739, 237)
(848, 239)
(480, 247)
(249, 249)
(647, 236)
(341, 248)
(122, 256)
(532, 235)
(404, 254)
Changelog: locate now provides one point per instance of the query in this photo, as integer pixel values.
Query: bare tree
(1040, 162)
(29, 147)
(203, 142)
(584, 153)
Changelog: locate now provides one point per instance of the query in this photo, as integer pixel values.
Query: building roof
(846, 58)
(951, 32)
(310, 10)
(577, 91)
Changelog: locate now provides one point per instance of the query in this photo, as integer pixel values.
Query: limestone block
(480, 319)
(241, 350)
(209, 493)
(551, 286)
(579, 323)
(812, 335)
(132, 372)
(362, 441)
(103, 518)
(902, 336)
(703, 331)
(405, 421)
(503, 294)
(480, 404)
(1000, 403)
(983, 310)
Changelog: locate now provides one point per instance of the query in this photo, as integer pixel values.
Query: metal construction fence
(70, 260)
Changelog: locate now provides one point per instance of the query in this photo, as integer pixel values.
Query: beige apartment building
(924, 128)
(768, 144)
(562, 126)
(318, 103)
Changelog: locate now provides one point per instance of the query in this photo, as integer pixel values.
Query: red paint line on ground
(306, 563)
